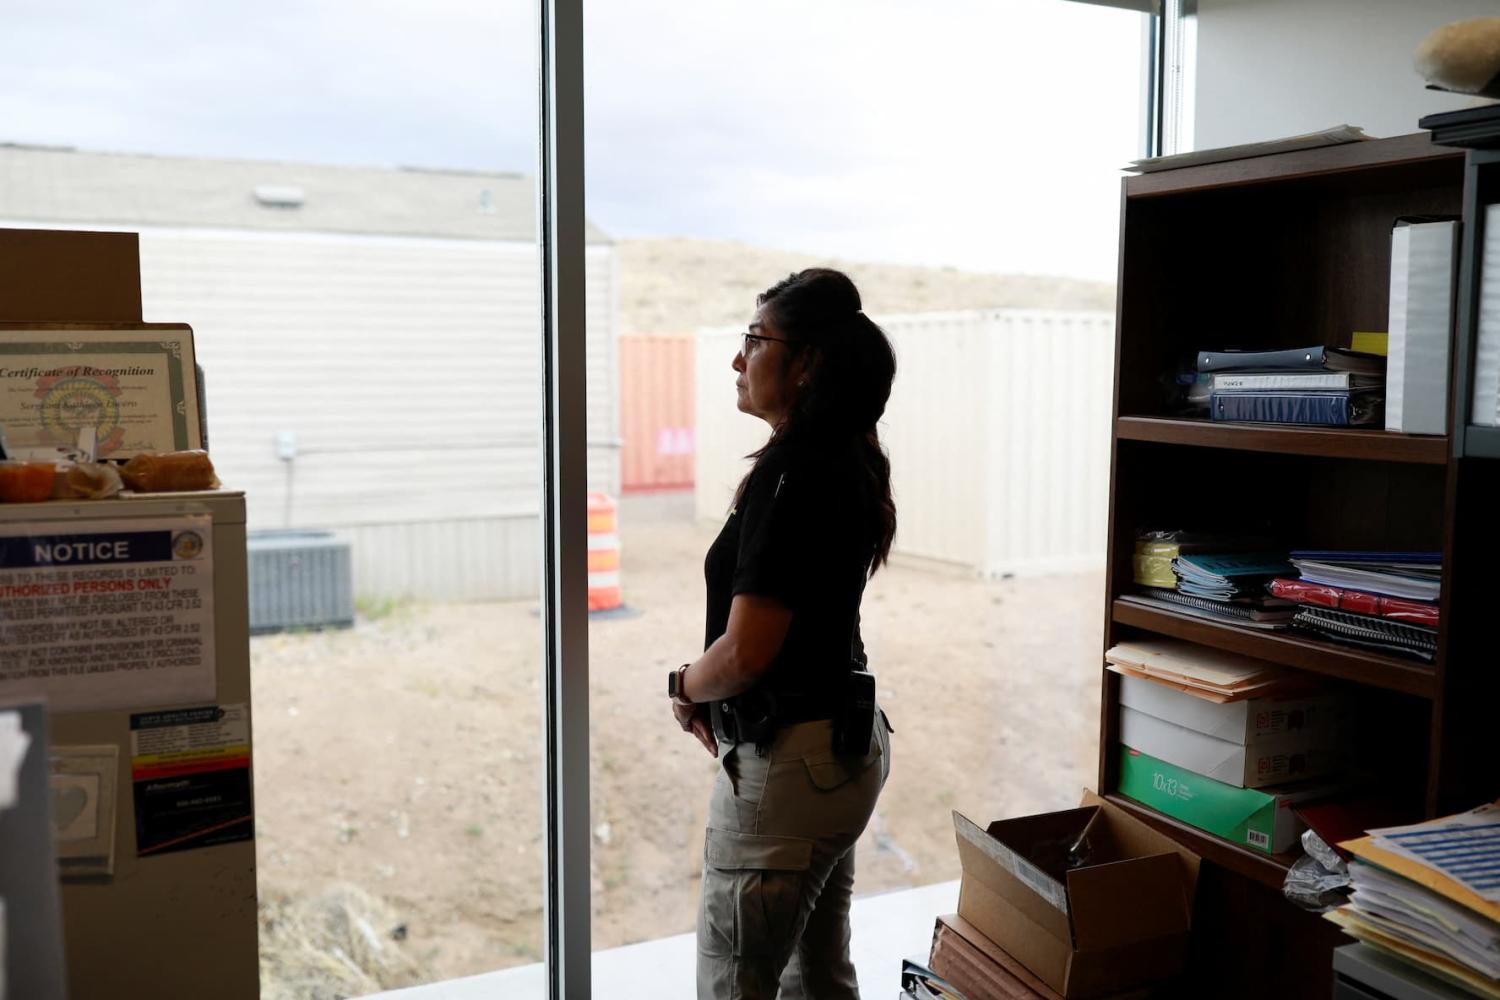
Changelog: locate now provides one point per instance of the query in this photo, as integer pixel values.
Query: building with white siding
(371, 343)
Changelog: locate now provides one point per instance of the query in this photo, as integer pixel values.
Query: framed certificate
(134, 384)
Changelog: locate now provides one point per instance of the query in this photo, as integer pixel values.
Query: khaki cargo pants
(778, 865)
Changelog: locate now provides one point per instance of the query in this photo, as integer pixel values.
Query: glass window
(960, 163)
(340, 200)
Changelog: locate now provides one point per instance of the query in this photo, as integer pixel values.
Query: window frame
(564, 601)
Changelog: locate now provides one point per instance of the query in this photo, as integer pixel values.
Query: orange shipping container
(656, 412)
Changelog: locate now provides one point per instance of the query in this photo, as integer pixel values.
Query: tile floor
(887, 927)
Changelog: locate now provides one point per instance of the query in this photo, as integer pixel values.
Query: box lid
(1039, 895)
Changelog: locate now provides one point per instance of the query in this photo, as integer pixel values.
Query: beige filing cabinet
(181, 923)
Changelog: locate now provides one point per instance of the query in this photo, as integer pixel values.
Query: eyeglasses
(751, 337)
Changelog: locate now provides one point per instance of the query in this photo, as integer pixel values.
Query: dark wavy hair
(850, 368)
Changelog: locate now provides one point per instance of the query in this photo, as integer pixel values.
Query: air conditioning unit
(299, 579)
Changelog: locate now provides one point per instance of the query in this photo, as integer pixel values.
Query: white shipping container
(997, 428)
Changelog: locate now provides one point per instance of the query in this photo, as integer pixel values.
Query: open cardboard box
(1119, 921)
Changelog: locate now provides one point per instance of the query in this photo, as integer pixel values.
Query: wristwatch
(674, 685)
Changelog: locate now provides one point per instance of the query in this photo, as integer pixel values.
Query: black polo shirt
(798, 535)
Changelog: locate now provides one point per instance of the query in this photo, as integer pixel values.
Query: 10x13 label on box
(108, 614)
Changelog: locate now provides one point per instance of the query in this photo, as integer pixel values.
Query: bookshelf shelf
(1268, 869)
(1392, 673)
(1376, 445)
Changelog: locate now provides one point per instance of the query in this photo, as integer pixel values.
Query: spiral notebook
(1364, 630)
(1256, 614)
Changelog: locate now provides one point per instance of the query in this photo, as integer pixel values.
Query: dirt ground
(402, 756)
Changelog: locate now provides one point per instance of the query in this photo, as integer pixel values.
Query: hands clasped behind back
(694, 719)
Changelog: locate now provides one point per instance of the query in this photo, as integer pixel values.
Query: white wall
(1271, 68)
(998, 431)
(409, 371)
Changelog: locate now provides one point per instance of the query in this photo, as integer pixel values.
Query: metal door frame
(565, 640)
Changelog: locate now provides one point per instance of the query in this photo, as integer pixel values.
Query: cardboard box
(1270, 761)
(66, 276)
(1118, 922)
(1261, 819)
(1323, 715)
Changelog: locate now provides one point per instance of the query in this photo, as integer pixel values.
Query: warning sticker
(190, 768)
(108, 614)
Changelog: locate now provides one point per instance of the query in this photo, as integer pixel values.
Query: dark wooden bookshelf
(1288, 648)
(1271, 253)
(1287, 439)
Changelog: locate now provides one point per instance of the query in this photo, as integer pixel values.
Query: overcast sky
(981, 135)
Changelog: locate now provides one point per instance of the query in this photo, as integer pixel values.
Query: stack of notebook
(1381, 600)
(1429, 894)
(1329, 386)
(1228, 587)
(1151, 563)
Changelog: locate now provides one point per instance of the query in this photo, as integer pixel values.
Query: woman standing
(781, 687)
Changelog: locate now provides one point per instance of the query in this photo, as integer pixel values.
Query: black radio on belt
(853, 727)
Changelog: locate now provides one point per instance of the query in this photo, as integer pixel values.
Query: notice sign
(107, 614)
(191, 772)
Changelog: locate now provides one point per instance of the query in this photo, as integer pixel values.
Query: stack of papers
(1430, 895)
(1413, 575)
(1465, 848)
(1186, 666)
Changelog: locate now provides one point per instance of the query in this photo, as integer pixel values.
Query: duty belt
(733, 721)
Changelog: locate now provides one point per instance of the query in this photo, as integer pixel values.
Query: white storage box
(1249, 721)
(1271, 761)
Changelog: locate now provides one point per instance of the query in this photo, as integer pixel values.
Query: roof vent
(279, 195)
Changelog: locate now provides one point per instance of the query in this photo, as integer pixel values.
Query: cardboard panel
(1098, 974)
(67, 277)
(1034, 849)
(1127, 901)
(1136, 839)
(985, 861)
(1031, 944)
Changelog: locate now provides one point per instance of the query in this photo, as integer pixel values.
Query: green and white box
(1258, 818)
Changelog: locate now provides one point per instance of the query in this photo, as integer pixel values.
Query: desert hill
(678, 285)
